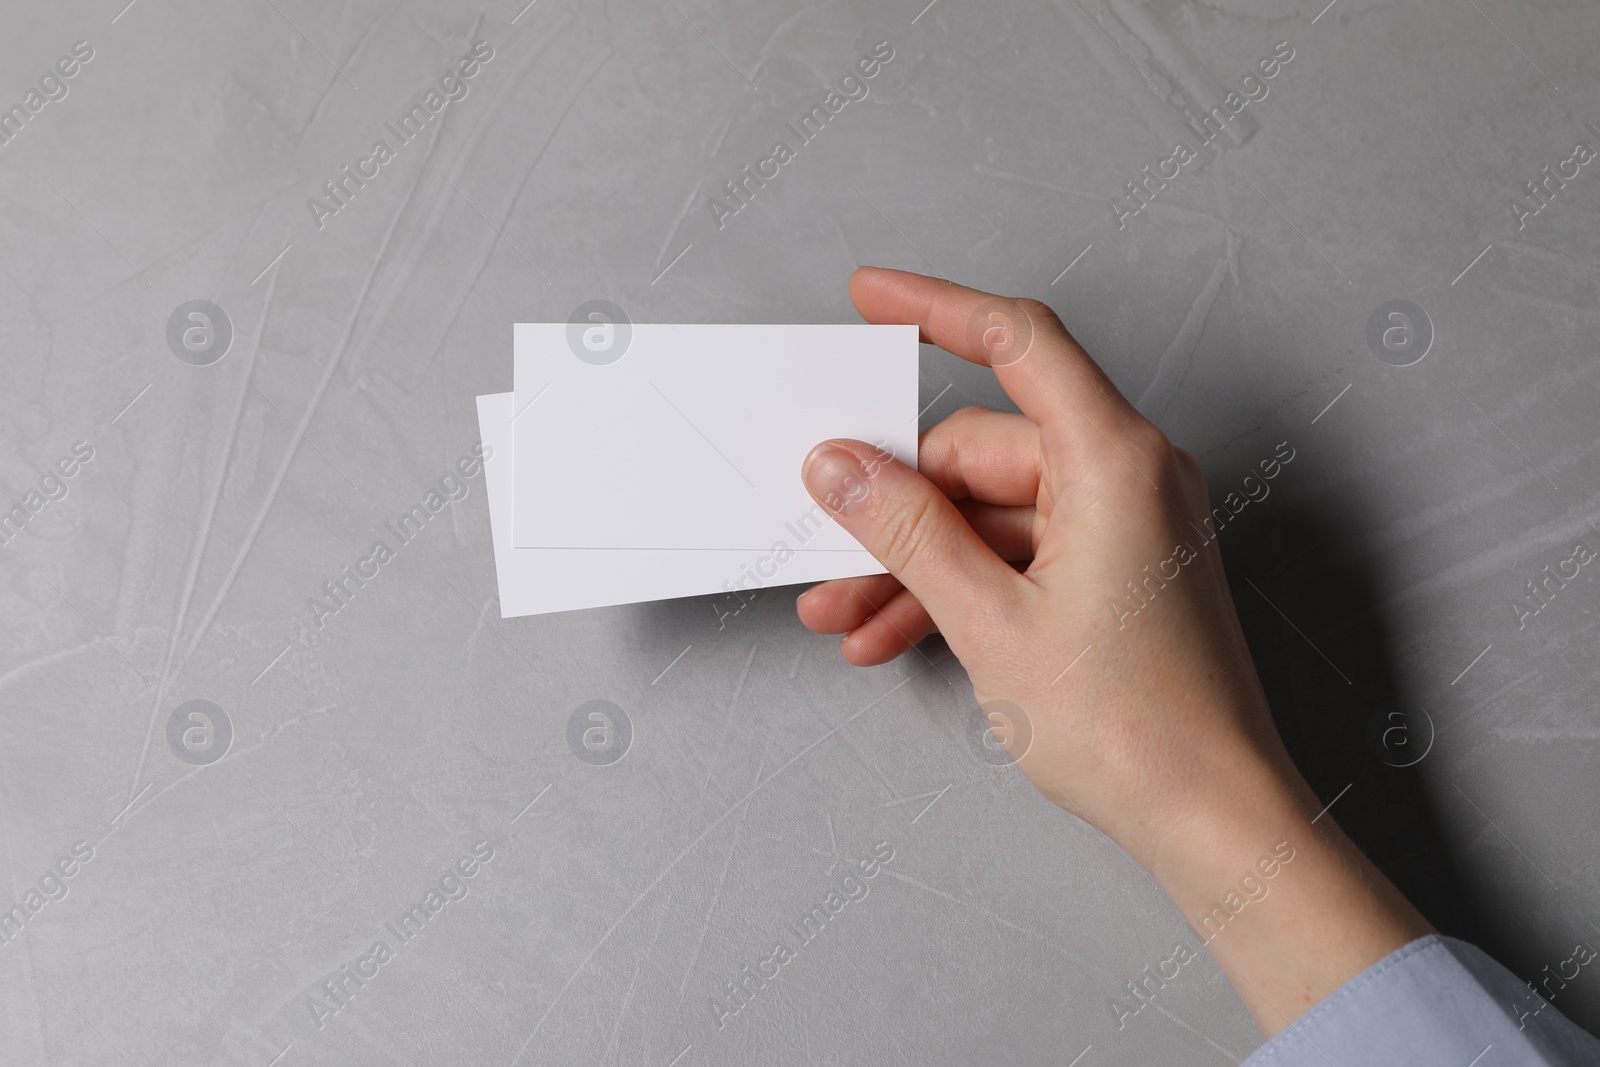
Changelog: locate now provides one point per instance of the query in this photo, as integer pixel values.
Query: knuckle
(1149, 447)
(1046, 323)
(954, 425)
(944, 451)
(905, 532)
(1191, 468)
(961, 424)
(962, 418)
(1041, 313)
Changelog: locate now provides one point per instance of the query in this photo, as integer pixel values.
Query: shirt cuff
(1437, 1001)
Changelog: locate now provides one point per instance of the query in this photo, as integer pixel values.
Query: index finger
(1035, 359)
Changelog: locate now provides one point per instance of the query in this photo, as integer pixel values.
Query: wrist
(1283, 900)
(1215, 817)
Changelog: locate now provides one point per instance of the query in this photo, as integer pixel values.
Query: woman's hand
(1066, 556)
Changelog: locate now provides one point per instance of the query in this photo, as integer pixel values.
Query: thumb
(914, 530)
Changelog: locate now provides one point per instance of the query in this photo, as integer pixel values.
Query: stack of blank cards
(637, 461)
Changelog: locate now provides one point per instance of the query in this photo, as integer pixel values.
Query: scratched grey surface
(371, 752)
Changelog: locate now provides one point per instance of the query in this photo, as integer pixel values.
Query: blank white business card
(535, 581)
(672, 436)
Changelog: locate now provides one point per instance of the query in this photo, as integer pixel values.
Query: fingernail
(835, 478)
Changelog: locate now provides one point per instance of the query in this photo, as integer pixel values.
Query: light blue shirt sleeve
(1437, 1002)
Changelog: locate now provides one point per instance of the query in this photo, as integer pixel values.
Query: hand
(1120, 709)
(1064, 554)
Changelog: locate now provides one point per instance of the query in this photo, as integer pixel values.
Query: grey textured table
(171, 516)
